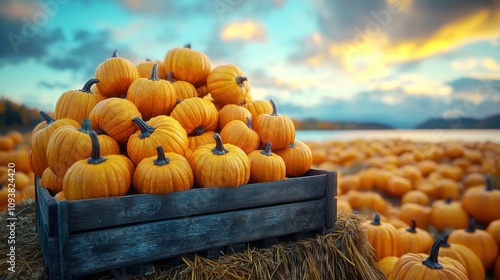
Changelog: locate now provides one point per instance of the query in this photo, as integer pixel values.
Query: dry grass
(342, 254)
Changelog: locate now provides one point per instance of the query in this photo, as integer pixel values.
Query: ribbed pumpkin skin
(276, 128)
(298, 158)
(167, 133)
(146, 67)
(266, 166)
(77, 104)
(410, 267)
(494, 230)
(240, 134)
(69, 144)
(447, 214)
(188, 65)
(415, 240)
(113, 116)
(466, 257)
(207, 137)
(115, 75)
(183, 89)
(212, 168)
(384, 238)
(228, 85)
(194, 113)
(258, 107)
(482, 203)
(50, 181)
(232, 112)
(155, 175)
(40, 140)
(387, 265)
(152, 96)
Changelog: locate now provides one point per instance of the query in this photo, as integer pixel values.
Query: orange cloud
(248, 30)
(18, 9)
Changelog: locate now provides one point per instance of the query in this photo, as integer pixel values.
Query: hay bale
(342, 254)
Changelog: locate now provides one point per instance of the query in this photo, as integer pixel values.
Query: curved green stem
(449, 200)
(169, 76)
(489, 186)
(96, 150)
(275, 112)
(199, 130)
(240, 80)
(445, 238)
(219, 146)
(413, 228)
(154, 73)
(249, 122)
(145, 128)
(432, 260)
(88, 85)
(188, 45)
(267, 150)
(376, 220)
(86, 126)
(115, 53)
(46, 117)
(472, 226)
(292, 145)
(161, 159)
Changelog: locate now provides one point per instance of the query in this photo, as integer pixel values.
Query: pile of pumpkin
(14, 153)
(163, 126)
(416, 194)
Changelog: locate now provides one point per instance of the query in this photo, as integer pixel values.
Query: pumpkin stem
(154, 73)
(249, 122)
(219, 146)
(445, 243)
(267, 150)
(472, 226)
(169, 76)
(88, 85)
(413, 228)
(86, 126)
(199, 130)
(240, 80)
(162, 159)
(376, 220)
(292, 145)
(432, 260)
(449, 200)
(275, 112)
(46, 117)
(489, 186)
(96, 150)
(148, 59)
(115, 53)
(145, 128)
(188, 45)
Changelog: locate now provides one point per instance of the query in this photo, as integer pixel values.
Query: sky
(395, 62)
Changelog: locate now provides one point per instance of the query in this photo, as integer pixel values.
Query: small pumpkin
(298, 158)
(448, 188)
(398, 186)
(77, 104)
(482, 202)
(162, 131)
(276, 128)
(416, 196)
(240, 134)
(228, 84)
(494, 230)
(415, 240)
(232, 112)
(50, 181)
(266, 166)
(146, 67)
(423, 266)
(202, 91)
(183, 89)
(383, 238)
(200, 138)
(474, 179)
(115, 75)
(387, 265)
(196, 114)
(152, 96)
(421, 214)
(6, 143)
(448, 214)
(469, 259)
(188, 65)
(257, 107)
(112, 116)
(17, 136)
(89, 178)
(163, 173)
(427, 166)
(220, 166)
(479, 241)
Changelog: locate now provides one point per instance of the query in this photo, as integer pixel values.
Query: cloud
(54, 85)
(248, 30)
(16, 9)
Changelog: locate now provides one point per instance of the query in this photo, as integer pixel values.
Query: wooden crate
(83, 237)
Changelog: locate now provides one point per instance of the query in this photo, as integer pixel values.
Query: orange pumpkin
(418, 212)
(146, 67)
(494, 230)
(77, 104)
(206, 137)
(188, 65)
(469, 259)
(398, 186)
(482, 203)
(115, 75)
(266, 166)
(387, 265)
(415, 240)
(6, 143)
(276, 128)
(258, 107)
(183, 89)
(448, 214)
(229, 85)
(240, 134)
(474, 179)
(383, 238)
(202, 91)
(415, 196)
(496, 268)
(196, 114)
(232, 112)
(297, 157)
(50, 181)
(152, 96)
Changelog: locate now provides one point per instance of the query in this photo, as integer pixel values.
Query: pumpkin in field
(77, 104)
(183, 89)
(90, 178)
(222, 165)
(366, 200)
(482, 202)
(6, 143)
(423, 267)
(427, 166)
(162, 131)
(448, 214)
(447, 188)
(240, 134)
(266, 166)
(112, 116)
(196, 114)
(258, 107)
(469, 259)
(383, 238)
(232, 112)
(398, 186)
(163, 173)
(276, 128)
(415, 196)
(188, 65)
(421, 214)
(146, 67)
(62, 152)
(494, 230)
(115, 75)
(297, 157)
(387, 265)
(16, 135)
(152, 96)
(474, 179)
(40, 140)
(415, 240)
(229, 85)
(479, 241)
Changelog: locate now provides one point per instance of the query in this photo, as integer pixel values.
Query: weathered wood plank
(48, 208)
(88, 214)
(331, 201)
(63, 237)
(142, 243)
